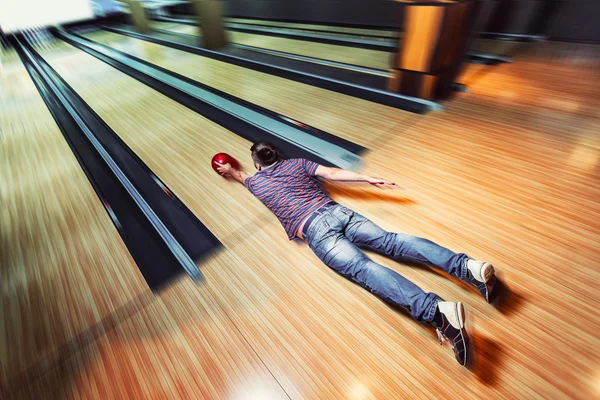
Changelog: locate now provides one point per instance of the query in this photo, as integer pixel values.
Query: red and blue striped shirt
(290, 190)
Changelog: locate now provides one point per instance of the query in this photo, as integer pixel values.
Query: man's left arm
(343, 175)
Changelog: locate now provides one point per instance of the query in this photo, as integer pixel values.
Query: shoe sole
(460, 314)
(488, 273)
(489, 276)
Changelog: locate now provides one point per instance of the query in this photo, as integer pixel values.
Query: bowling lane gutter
(407, 103)
(177, 18)
(353, 67)
(285, 23)
(245, 119)
(162, 235)
(387, 46)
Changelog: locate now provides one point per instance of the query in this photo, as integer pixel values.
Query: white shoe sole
(460, 315)
(488, 272)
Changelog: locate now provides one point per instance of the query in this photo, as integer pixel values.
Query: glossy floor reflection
(507, 173)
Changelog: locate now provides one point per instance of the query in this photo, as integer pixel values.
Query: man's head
(264, 154)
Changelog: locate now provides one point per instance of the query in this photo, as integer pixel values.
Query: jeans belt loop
(314, 215)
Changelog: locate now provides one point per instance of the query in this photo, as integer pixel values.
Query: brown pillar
(210, 17)
(138, 16)
(432, 47)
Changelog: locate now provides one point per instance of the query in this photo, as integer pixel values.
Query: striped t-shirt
(290, 190)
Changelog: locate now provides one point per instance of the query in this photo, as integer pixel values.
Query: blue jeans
(337, 235)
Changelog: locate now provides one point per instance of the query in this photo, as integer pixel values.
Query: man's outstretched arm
(342, 175)
(228, 170)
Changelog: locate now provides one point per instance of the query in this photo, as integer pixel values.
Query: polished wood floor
(508, 172)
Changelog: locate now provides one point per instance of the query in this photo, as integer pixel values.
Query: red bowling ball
(223, 158)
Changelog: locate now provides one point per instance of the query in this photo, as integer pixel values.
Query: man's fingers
(384, 184)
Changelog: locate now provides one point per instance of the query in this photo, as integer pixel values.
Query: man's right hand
(224, 169)
(228, 171)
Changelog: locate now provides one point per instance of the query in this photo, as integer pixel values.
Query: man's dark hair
(265, 153)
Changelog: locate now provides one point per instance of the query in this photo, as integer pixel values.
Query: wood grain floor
(509, 172)
(63, 266)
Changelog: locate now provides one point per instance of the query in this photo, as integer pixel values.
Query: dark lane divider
(408, 103)
(266, 24)
(161, 233)
(245, 119)
(388, 45)
(350, 73)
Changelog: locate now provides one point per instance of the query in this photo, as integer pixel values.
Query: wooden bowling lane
(556, 77)
(183, 345)
(135, 350)
(517, 183)
(514, 182)
(345, 54)
(80, 320)
(64, 267)
(500, 47)
(354, 119)
(321, 336)
(175, 142)
(544, 242)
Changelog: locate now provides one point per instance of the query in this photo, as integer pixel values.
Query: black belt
(314, 215)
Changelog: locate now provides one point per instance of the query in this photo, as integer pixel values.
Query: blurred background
(130, 269)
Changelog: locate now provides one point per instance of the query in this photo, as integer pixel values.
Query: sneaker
(482, 276)
(453, 329)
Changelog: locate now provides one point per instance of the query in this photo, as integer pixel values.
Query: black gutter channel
(335, 64)
(162, 235)
(513, 37)
(390, 99)
(239, 126)
(339, 41)
(346, 144)
(367, 77)
(366, 35)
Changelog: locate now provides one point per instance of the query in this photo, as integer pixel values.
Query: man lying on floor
(336, 234)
